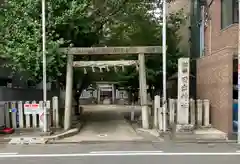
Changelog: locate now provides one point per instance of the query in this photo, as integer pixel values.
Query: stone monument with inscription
(183, 95)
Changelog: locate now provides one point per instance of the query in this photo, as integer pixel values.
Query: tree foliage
(67, 22)
(146, 30)
(82, 23)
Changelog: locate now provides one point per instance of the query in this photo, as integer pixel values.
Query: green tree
(146, 30)
(68, 22)
(82, 23)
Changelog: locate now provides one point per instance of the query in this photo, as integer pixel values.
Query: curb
(104, 142)
(65, 134)
(5, 140)
(204, 141)
(62, 135)
(198, 138)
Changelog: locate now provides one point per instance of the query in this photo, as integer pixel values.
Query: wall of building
(215, 37)
(214, 82)
(215, 68)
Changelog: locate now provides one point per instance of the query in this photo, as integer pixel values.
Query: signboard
(32, 109)
(14, 110)
(183, 90)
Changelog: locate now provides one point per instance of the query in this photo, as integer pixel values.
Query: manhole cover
(102, 135)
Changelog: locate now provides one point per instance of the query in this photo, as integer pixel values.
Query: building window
(229, 12)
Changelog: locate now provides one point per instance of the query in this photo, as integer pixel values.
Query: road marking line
(122, 152)
(9, 153)
(119, 154)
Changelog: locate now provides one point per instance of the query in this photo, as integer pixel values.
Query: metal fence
(15, 115)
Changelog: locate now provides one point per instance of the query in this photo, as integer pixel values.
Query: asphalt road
(119, 153)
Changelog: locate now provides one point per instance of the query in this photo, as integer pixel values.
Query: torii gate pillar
(68, 97)
(143, 91)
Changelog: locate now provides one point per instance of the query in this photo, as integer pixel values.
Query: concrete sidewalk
(110, 126)
(36, 136)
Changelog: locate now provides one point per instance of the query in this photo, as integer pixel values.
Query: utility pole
(45, 124)
(164, 69)
(238, 72)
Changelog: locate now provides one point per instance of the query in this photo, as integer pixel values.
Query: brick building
(215, 64)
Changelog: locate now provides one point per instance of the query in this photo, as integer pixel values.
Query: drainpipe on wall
(210, 28)
(195, 44)
(210, 36)
(202, 25)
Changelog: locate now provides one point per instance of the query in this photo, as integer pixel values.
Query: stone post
(192, 112)
(199, 113)
(206, 106)
(172, 110)
(156, 109)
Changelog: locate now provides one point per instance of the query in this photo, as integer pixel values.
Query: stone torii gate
(140, 51)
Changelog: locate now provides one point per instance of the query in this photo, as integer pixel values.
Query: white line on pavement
(8, 153)
(120, 154)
